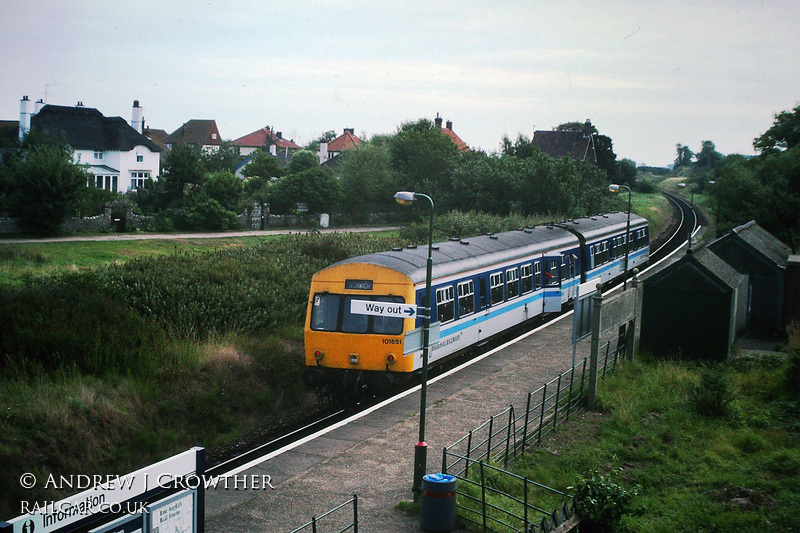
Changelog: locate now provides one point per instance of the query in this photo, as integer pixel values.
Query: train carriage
(481, 287)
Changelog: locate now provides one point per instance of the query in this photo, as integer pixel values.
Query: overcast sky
(649, 74)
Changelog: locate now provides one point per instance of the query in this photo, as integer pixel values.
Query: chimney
(79, 104)
(351, 131)
(24, 116)
(39, 106)
(449, 125)
(137, 120)
(438, 121)
(279, 134)
(323, 151)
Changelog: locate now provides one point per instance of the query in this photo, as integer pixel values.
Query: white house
(119, 157)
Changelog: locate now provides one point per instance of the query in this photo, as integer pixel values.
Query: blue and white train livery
(481, 287)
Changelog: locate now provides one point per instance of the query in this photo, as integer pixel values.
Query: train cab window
(537, 275)
(331, 312)
(512, 281)
(445, 304)
(466, 298)
(325, 313)
(386, 325)
(496, 283)
(353, 322)
(527, 278)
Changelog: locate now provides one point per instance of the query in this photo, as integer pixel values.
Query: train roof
(459, 255)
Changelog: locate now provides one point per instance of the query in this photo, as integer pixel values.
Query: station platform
(373, 456)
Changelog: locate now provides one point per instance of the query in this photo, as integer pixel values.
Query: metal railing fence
(328, 516)
(506, 435)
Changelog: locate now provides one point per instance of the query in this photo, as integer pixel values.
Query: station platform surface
(373, 456)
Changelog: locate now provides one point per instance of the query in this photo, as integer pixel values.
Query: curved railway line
(685, 226)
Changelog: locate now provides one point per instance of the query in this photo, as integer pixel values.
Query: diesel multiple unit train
(361, 334)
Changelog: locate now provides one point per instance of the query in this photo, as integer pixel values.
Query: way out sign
(388, 309)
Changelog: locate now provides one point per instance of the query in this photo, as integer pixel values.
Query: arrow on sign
(365, 307)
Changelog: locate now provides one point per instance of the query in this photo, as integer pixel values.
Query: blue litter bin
(438, 502)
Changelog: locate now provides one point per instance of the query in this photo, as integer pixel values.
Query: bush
(602, 501)
(72, 325)
(713, 396)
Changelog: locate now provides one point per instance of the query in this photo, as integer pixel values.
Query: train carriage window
(551, 275)
(325, 313)
(537, 274)
(563, 271)
(527, 278)
(512, 281)
(445, 304)
(466, 298)
(496, 282)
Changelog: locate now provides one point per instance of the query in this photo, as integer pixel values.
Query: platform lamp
(615, 188)
(421, 450)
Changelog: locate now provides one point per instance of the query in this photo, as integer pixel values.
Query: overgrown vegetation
(704, 447)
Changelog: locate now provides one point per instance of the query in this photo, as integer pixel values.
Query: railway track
(685, 224)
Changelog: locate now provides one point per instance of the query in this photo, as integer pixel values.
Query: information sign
(177, 514)
(388, 309)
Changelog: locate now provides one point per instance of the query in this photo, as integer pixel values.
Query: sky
(648, 74)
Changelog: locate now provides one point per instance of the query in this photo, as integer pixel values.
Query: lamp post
(615, 188)
(421, 449)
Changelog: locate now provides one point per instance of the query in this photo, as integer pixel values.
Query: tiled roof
(85, 128)
(196, 132)
(456, 139)
(764, 242)
(259, 138)
(344, 141)
(448, 130)
(574, 144)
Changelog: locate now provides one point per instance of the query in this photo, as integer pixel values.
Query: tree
(422, 155)
(183, 167)
(44, 185)
(783, 135)
(366, 177)
(226, 189)
(684, 158)
(315, 187)
(263, 165)
(708, 157)
(226, 157)
(302, 160)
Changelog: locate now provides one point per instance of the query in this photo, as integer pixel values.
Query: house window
(98, 155)
(138, 179)
(466, 298)
(139, 158)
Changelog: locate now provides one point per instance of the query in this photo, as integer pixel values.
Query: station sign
(388, 309)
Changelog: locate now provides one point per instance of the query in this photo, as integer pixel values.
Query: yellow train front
(350, 353)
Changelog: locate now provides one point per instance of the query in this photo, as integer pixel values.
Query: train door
(552, 283)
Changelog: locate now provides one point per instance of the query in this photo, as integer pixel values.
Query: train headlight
(318, 355)
(353, 358)
(390, 358)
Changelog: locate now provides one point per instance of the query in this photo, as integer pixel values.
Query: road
(209, 235)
